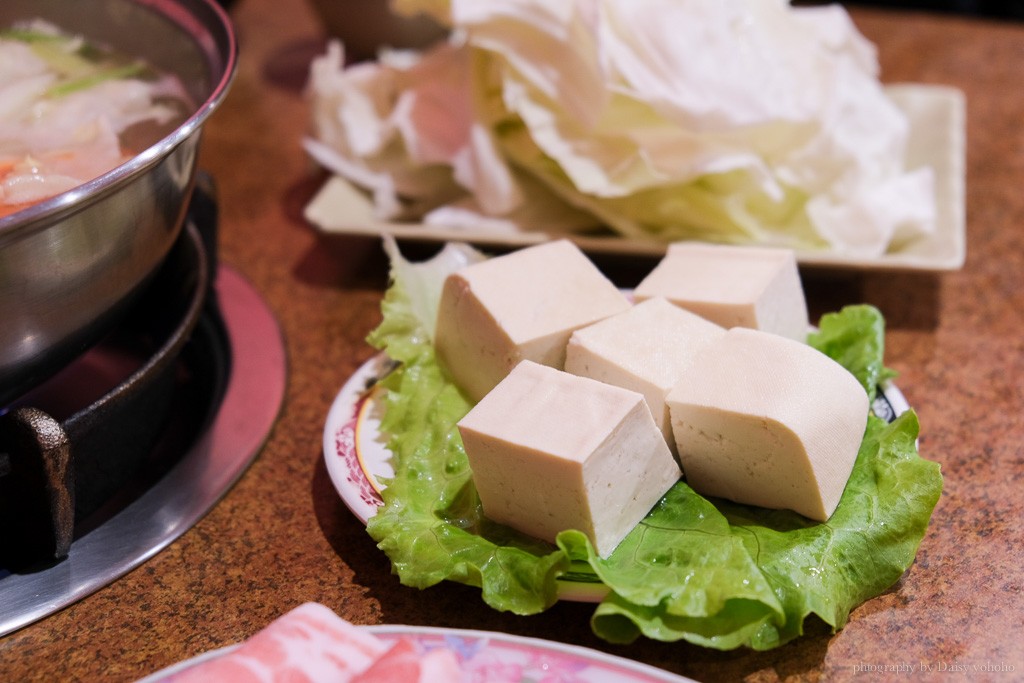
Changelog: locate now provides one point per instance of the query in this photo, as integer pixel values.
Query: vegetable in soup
(70, 111)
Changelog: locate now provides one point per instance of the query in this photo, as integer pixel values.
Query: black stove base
(230, 382)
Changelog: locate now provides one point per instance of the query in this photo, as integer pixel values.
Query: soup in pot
(71, 110)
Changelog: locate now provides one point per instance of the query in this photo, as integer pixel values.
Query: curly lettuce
(709, 572)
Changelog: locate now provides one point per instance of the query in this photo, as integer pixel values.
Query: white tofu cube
(521, 305)
(768, 421)
(646, 348)
(552, 451)
(733, 286)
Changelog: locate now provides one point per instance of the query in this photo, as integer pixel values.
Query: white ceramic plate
(357, 459)
(498, 657)
(937, 139)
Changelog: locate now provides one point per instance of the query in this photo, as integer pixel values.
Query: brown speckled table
(281, 536)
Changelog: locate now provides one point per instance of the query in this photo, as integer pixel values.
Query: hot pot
(72, 264)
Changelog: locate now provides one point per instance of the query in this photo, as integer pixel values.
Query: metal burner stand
(233, 435)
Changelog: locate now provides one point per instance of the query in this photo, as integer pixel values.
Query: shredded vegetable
(66, 107)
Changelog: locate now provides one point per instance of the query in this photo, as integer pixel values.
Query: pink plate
(500, 658)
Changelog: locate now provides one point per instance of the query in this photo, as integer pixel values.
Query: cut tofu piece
(733, 286)
(521, 305)
(646, 349)
(768, 421)
(552, 451)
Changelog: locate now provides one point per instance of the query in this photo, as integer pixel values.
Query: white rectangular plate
(937, 116)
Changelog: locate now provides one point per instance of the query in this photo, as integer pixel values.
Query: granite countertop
(281, 536)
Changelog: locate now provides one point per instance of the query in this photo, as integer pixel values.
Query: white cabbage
(725, 120)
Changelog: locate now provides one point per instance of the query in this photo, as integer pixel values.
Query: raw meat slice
(310, 643)
(406, 662)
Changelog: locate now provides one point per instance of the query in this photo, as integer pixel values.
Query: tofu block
(733, 286)
(646, 348)
(521, 305)
(768, 421)
(552, 451)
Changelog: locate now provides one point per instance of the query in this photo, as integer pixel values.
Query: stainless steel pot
(69, 266)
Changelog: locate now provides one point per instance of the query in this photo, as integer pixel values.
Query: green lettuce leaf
(855, 337)
(432, 526)
(710, 572)
(807, 567)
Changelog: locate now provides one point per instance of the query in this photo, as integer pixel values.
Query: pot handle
(37, 507)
